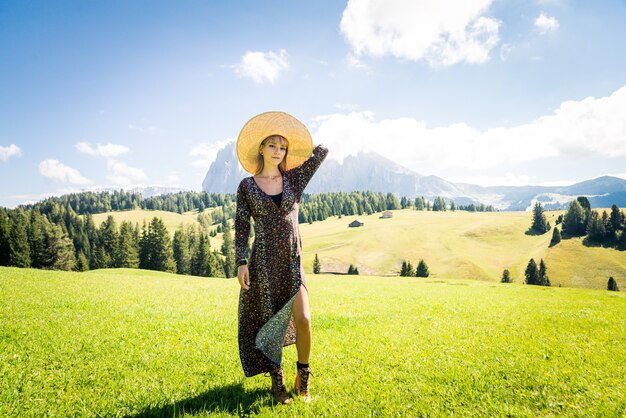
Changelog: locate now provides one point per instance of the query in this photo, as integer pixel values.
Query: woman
(273, 301)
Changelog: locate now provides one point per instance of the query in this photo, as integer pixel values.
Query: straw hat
(273, 123)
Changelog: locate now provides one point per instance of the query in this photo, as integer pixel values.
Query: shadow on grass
(232, 399)
(608, 243)
(533, 232)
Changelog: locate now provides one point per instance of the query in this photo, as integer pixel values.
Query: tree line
(118, 200)
(439, 204)
(580, 220)
(313, 208)
(67, 241)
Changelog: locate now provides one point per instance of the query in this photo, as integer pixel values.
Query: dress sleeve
(302, 174)
(242, 223)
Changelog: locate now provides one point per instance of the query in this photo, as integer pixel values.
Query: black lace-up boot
(278, 386)
(301, 385)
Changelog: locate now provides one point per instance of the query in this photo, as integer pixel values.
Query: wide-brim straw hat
(267, 124)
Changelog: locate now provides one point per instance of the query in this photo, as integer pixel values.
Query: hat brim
(300, 143)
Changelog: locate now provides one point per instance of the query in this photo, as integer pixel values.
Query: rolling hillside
(455, 245)
(458, 245)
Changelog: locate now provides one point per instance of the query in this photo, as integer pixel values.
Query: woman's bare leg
(302, 318)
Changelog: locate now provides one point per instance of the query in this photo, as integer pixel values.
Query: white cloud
(508, 179)
(123, 174)
(207, 152)
(545, 23)
(60, 172)
(10, 151)
(577, 128)
(262, 66)
(107, 150)
(441, 32)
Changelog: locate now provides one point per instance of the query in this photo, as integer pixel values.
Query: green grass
(462, 245)
(137, 343)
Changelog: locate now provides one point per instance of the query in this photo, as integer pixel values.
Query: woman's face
(274, 150)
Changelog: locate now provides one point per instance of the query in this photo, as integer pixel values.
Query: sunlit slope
(453, 244)
(457, 245)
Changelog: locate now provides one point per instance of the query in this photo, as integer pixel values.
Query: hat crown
(273, 123)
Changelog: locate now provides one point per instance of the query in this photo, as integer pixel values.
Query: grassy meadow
(138, 343)
(460, 245)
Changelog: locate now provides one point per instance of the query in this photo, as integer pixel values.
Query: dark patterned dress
(276, 274)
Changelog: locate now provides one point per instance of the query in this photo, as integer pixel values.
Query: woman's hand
(244, 276)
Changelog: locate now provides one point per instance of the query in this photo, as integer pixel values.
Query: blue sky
(124, 93)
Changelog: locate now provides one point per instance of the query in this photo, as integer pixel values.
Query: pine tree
(439, 204)
(392, 202)
(60, 250)
(612, 285)
(543, 279)
(228, 251)
(606, 224)
(19, 250)
(615, 221)
(92, 236)
(584, 203)
(575, 220)
(419, 203)
(506, 277)
(422, 269)
(595, 227)
(403, 269)
(539, 224)
(410, 271)
(352, 270)
(201, 259)
(36, 241)
(127, 253)
(161, 255)
(316, 265)
(180, 247)
(4, 238)
(532, 273)
(82, 264)
(144, 248)
(108, 241)
(556, 237)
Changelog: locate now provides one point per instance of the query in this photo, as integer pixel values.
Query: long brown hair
(261, 163)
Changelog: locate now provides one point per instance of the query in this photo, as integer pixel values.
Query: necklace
(272, 178)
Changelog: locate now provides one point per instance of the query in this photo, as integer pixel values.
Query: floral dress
(265, 321)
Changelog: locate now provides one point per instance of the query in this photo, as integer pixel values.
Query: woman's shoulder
(245, 182)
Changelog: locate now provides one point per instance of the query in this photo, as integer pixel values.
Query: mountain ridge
(371, 171)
